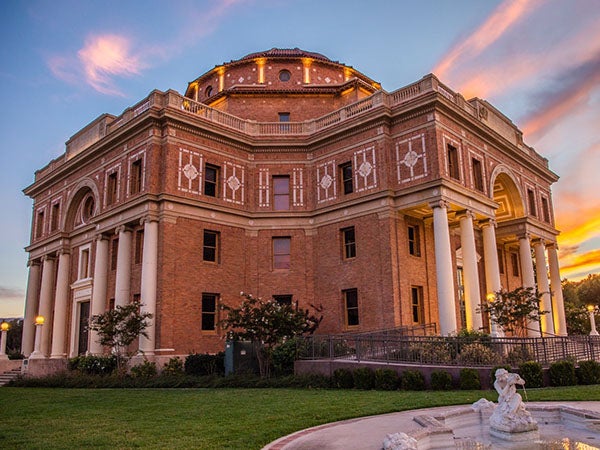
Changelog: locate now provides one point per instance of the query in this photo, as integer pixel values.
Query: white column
(149, 281)
(123, 277)
(492, 269)
(444, 271)
(31, 307)
(558, 307)
(527, 276)
(470, 271)
(99, 289)
(45, 309)
(547, 324)
(60, 306)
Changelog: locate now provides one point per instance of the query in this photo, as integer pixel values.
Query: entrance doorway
(84, 316)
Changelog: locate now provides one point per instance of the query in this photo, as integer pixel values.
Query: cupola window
(285, 75)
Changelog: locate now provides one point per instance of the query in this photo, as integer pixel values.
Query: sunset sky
(66, 62)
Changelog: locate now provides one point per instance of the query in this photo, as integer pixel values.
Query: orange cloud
(505, 15)
(578, 266)
(104, 57)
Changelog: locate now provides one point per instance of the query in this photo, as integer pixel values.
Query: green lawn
(205, 418)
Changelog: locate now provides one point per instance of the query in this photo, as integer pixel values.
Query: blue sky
(67, 62)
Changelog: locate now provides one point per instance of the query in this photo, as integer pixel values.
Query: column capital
(148, 219)
(538, 241)
(101, 237)
(439, 204)
(63, 251)
(465, 213)
(524, 235)
(122, 228)
(33, 262)
(47, 258)
(488, 222)
(553, 245)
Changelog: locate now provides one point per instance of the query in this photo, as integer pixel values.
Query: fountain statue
(510, 420)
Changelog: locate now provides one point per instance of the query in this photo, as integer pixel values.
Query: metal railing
(438, 350)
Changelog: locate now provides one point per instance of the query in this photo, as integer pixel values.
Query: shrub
(173, 367)
(412, 380)
(283, 358)
(562, 373)
(479, 354)
(430, 352)
(588, 372)
(441, 380)
(343, 379)
(93, 365)
(518, 355)
(531, 372)
(469, 379)
(205, 364)
(364, 378)
(386, 379)
(147, 369)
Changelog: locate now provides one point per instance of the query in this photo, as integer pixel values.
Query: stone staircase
(9, 375)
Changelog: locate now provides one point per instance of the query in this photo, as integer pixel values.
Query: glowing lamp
(491, 297)
(5, 326)
(39, 320)
(591, 308)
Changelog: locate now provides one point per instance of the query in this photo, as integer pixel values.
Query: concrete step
(9, 375)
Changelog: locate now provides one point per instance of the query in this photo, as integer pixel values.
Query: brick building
(290, 175)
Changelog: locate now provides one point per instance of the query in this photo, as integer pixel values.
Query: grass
(206, 418)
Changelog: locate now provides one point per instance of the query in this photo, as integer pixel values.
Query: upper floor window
(281, 193)
(210, 247)
(139, 246)
(135, 177)
(477, 174)
(514, 261)
(208, 91)
(351, 307)
(414, 240)
(281, 252)
(346, 177)
(546, 209)
(349, 241)
(500, 261)
(88, 209)
(531, 201)
(54, 221)
(453, 169)
(111, 188)
(84, 263)
(114, 252)
(39, 225)
(209, 311)
(211, 177)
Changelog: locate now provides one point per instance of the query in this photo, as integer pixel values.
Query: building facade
(288, 175)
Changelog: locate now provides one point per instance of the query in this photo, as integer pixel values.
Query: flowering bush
(267, 323)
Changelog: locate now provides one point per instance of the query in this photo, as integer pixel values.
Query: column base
(3, 357)
(59, 356)
(37, 355)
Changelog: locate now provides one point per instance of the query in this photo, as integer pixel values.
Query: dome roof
(287, 53)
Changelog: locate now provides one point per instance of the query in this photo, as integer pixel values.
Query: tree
(588, 290)
(514, 310)
(119, 327)
(267, 323)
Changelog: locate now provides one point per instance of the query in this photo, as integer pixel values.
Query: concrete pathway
(369, 432)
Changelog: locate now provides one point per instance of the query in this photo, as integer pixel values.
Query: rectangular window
(137, 298)
(416, 293)
(209, 311)
(114, 251)
(351, 307)
(514, 262)
(477, 175)
(211, 177)
(111, 189)
(349, 239)
(139, 246)
(531, 201)
(453, 169)
(284, 118)
(84, 263)
(55, 217)
(414, 240)
(39, 226)
(281, 193)
(346, 177)
(210, 247)
(500, 261)
(283, 299)
(546, 209)
(281, 252)
(135, 177)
